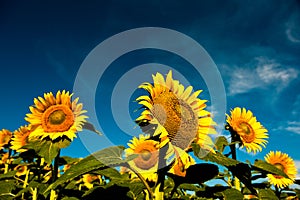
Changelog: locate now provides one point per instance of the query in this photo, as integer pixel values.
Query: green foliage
(40, 172)
(267, 168)
(265, 194)
(111, 156)
(220, 143)
(47, 149)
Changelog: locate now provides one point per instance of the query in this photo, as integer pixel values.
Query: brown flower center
(246, 132)
(57, 118)
(177, 117)
(147, 155)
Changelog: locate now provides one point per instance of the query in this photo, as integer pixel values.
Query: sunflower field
(178, 154)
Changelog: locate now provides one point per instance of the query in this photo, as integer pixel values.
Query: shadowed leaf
(267, 168)
(111, 156)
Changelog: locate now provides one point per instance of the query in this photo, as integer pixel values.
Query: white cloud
(291, 126)
(266, 72)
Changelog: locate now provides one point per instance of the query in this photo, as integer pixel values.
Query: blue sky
(254, 44)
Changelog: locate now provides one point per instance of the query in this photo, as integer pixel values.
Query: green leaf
(243, 172)
(112, 192)
(47, 149)
(67, 160)
(190, 187)
(220, 159)
(111, 156)
(230, 194)
(220, 143)
(8, 175)
(110, 173)
(266, 194)
(213, 157)
(6, 187)
(33, 184)
(70, 198)
(265, 167)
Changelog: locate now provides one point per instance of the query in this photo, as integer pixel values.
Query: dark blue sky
(255, 45)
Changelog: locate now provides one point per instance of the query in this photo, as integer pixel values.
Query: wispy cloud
(291, 126)
(266, 72)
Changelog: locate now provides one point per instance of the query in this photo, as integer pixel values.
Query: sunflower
(251, 133)
(21, 170)
(89, 179)
(146, 163)
(20, 138)
(182, 162)
(177, 113)
(55, 117)
(5, 159)
(5, 136)
(286, 164)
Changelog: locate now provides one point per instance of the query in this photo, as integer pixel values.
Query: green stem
(277, 192)
(233, 151)
(144, 182)
(55, 167)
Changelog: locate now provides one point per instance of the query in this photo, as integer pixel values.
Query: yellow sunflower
(286, 164)
(148, 154)
(55, 117)
(252, 134)
(89, 179)
(5, 136)
(182, 163)
(5, 159)
(20, 138)
(21, 170)
(177, 112)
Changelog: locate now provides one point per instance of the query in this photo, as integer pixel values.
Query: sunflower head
(21, 170)
(5, 159)
(283, 162)
(250, 132)
(5, 136)
(20, 138)
(177, 112)
(56, 116)
(89, 179)
(146, 162)
(182, 162)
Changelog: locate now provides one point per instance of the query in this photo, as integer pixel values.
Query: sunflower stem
(144, 182)
(277, 192)
(232, 146)
(55, 167)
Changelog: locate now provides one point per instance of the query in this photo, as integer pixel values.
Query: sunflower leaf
(230, 194)
(266, 194)
(47, 149)
(213, 157)
(102, 159)
(220, 143)
(268, 168)
(6, 186)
